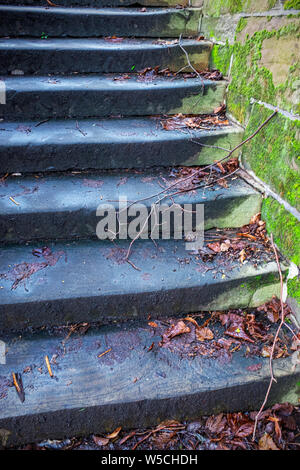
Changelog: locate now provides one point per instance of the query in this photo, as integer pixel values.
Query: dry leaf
(100, 441)
(204, 333)
(266, 443)
(114, 434)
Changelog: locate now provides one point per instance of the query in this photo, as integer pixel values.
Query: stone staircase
(73, 133)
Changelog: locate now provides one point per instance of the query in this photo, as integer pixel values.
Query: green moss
(221, 7)
(274, 153)
(285, 228)
(241, 25)
(294, 288)
(251, 79)
(292, 4)
(220, 57)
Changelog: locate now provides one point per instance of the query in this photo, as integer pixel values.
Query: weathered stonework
(285, 228)
(273, 154)
(262, 61)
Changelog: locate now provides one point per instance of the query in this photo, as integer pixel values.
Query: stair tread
(84, 96)
(69, 192)
(64, 206)
(84, 144)
(88, 280)
(85, 22)
(88, 55)
(129, 386)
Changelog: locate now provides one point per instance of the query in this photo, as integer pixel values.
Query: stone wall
(257, 48)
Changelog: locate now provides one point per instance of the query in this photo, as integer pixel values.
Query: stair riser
(82, 222)
(90, 281)
(53, 101)
(144, 413)
(63, 22)
(136, 384)
(67, 56)
(45, 150)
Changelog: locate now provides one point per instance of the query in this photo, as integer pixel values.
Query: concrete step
(94, 22)
(99, 96)
(64, 206)
(111, 143)
(129, 386)
(43, 56)
(68, 282)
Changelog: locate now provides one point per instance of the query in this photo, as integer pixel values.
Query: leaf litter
(278, 429)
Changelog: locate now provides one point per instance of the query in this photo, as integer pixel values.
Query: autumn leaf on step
(216, 424)
(178, 329)
(242, 256)
(100, 441)
(236, 331)
(204, 333)
(114, 434)
(216, 247)
(266, 443)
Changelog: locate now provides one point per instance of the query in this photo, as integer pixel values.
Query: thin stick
(272, 379)
(212, 164)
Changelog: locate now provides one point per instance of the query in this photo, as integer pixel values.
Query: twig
(189, 62)
(272, 379)
(211, 164)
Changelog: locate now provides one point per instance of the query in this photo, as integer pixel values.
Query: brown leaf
(216, 247)
(204, 333)
(236, 331)
(100, 441)
(266, 443)
(153, 324)
(216, 424)
(178, 329)
(243, 256)
(114, 434)
(245, 430)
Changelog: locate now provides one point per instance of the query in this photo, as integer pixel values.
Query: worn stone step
(129, 386)
(108, 143)
(108, 3)
(69, 282)
(64, 206)
(99, 96)
(40, 56)
(91, 22)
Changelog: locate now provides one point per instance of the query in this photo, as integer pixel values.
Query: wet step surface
(56, 283)
(120, 376)
(64, 206)
(58, 145)
(99, 96)
(39, 56)
(90, 22)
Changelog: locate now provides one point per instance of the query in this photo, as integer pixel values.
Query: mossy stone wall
(260, 54)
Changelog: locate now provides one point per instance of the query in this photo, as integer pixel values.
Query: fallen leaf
(100, 441)
(204, 333)
(216, 247)
(216, 424)
(114, 434)
(175, 330)
(266, 443)
(236, 331)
